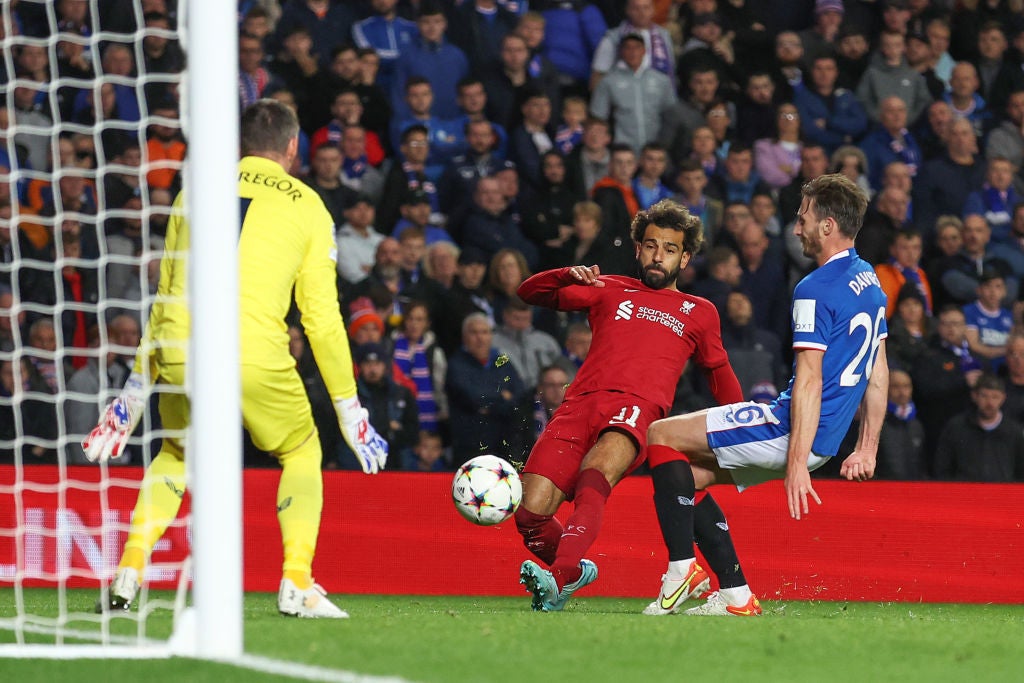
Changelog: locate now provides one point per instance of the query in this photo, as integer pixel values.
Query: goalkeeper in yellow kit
(286, 242)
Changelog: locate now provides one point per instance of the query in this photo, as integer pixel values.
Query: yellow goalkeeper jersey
(286, 241)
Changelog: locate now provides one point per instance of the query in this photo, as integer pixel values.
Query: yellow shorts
(275, 407)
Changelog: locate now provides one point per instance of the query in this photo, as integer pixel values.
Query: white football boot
(311, 603)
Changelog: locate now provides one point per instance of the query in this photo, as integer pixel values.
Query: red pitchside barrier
(399, 533)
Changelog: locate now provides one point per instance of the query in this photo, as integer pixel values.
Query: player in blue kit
(839, 333)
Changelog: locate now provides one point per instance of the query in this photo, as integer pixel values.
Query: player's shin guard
(159, 500)
(674, 491)
(540, 533)
(581, 529)
(300, 499)
(715, 543)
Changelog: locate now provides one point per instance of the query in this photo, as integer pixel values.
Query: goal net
(93, 128)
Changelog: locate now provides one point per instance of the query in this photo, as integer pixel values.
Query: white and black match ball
(486, 490)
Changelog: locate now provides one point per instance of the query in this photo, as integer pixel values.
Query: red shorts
(576, 426)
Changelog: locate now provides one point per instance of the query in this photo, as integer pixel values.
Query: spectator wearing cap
(829, 116)
(529, 141)
(636, 96)
(823, 35)
(357, 173)
(388, 34)
(416, 213)
(911, 327)
(434, 58)
(490, 227)
(391, 407)
(485, 396)
(357, 240)
(889, 75)
(921, 59)
(325, 178)
(478, 161)
(366, 326)
(659, 51)
(466, 295)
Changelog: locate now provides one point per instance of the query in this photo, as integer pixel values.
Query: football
(486, 490)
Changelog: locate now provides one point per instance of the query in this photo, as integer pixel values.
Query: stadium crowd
(461, 145)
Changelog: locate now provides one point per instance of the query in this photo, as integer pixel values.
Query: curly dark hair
(673, 216)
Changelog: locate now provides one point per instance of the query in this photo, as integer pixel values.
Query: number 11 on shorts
(621, 418)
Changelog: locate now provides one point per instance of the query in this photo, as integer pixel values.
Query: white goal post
(211, 628)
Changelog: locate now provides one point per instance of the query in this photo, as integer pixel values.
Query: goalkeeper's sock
(159, 500)
(302, 580)
(581, 529)
(300, 499)
(673, 501)
(712, 534)
(540, 533)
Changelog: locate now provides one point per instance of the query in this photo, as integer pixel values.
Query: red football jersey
(643, 337)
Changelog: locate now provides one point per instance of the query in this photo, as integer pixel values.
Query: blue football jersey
(993, 328)
(838, 308)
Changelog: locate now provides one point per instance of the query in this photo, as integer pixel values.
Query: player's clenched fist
(109, 438)
(370, 448)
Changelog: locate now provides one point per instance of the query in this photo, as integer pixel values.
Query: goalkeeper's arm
(316, 294)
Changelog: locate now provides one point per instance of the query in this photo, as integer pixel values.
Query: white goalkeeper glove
(370, 448)
(109, 438)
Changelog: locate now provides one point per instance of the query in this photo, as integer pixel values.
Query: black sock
(673, 501)
(715, 543)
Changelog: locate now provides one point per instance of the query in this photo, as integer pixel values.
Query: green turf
(498, 639)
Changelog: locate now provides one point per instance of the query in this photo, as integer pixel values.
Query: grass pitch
(441, 639)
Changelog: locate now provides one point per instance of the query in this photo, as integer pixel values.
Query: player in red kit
(644, 331)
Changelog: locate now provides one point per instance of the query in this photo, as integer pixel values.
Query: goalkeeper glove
(109, 438)
(370, 448)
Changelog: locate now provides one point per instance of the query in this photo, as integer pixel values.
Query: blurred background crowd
(461, 145)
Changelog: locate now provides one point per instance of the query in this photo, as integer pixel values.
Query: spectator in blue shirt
(446, 137)
(434, 58)
(891, 141)
(829, 116)
(388, 34)
(996, 198)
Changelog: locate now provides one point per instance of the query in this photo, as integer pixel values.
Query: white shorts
(750, 442)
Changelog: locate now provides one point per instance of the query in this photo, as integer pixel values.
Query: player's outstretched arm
(547, 287)
(860, 465)
(110, 437)
(805, 412)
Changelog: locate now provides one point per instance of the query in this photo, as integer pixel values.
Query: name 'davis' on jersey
(627, 311)
(864, 279)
